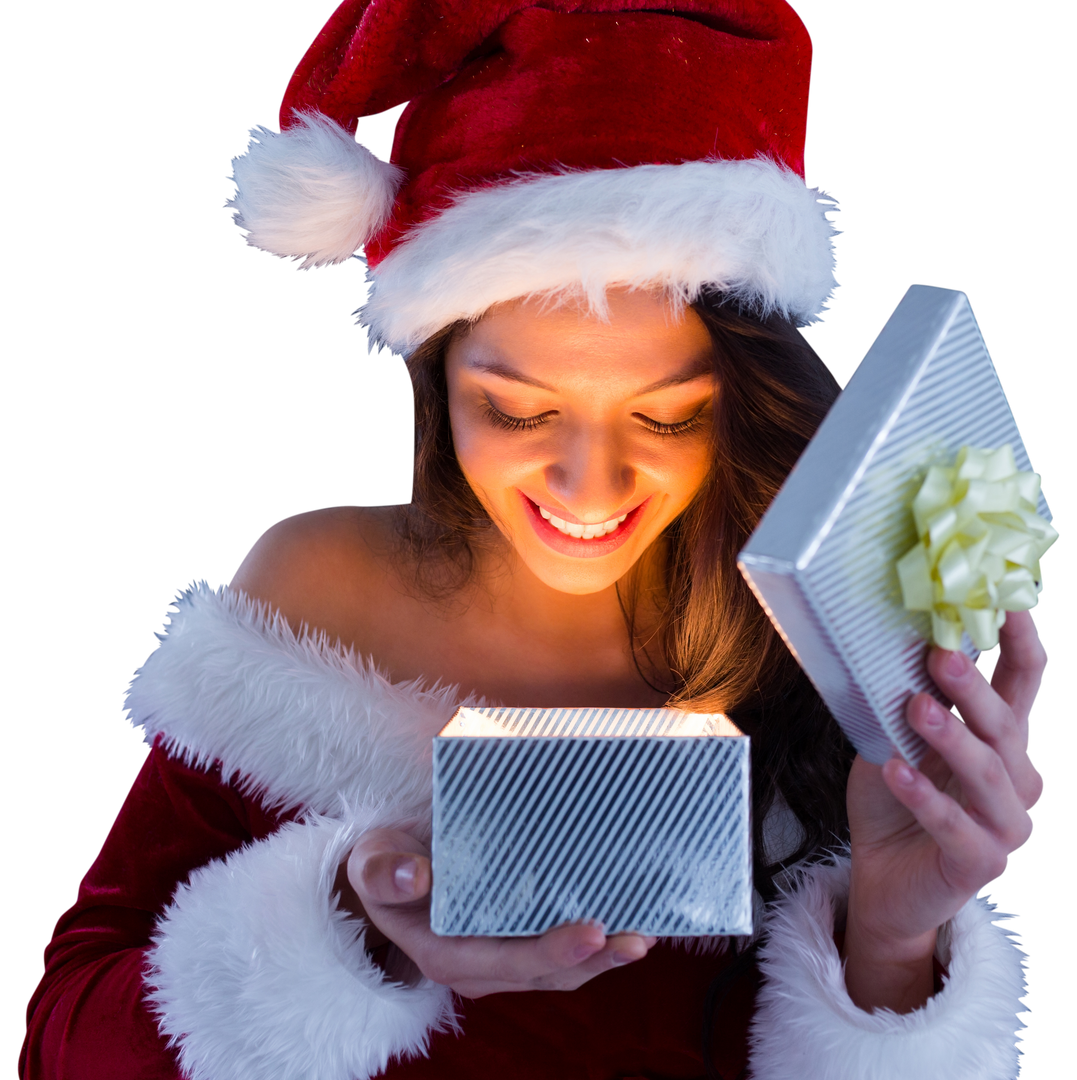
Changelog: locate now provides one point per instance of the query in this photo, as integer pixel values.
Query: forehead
(642, 341)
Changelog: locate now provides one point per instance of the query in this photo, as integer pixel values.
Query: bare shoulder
(324, 569)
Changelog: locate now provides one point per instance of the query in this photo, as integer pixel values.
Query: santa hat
(549, 147)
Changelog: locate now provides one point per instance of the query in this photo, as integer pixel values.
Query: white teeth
(582, 532)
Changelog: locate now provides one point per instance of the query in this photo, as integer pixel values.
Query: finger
(391, 887)
(561, 959)
(983, 709)
(988, 716)
(558, 951)
(980, 770)
(619, 950)
(477, 966)
(970, 855)
(1020, 664)
(392, 877)
(388, 866)
(374, 841)
(390, 872)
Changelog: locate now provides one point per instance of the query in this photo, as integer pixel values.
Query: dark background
(185, 392)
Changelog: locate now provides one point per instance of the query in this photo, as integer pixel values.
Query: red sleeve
(87, 1019)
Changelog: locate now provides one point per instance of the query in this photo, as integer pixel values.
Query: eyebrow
(697, 370)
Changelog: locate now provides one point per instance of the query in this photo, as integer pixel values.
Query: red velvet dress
(88, 1019)
(208, 915)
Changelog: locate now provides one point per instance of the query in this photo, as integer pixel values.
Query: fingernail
(935, 715)
(404, 876)
(582, 952)
(620, 958)
(904, 775)
(956, 664)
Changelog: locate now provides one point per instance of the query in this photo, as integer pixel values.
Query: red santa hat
(549, 147)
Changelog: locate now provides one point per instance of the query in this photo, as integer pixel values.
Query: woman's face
(583, 439)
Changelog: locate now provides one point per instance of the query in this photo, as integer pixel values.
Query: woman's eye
(507, 422)
(679, 428)
(513, 423)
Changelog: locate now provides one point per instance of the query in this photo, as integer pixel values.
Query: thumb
(387, 866)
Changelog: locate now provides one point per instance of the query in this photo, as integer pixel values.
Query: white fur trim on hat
(751, 229)
(806, 1026)
(297, 721)
(311, 192)
(255, 974)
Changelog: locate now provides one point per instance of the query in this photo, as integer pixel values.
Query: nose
(591, 476)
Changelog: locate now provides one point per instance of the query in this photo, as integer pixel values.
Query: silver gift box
(634, 818)
(823, 559)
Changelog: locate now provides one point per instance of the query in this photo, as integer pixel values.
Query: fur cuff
(806, 1026)
(255, 974)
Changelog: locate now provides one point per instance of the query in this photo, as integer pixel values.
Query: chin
(581, 581)
(577, 577)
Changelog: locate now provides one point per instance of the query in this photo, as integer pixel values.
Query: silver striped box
(822, 561)
(634, 818)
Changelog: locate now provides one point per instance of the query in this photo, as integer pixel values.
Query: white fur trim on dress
(255, 974)
(806, 1026)
(299, 722)
(751, 229)
(311, 192)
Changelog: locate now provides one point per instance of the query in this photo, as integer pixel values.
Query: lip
(582, 549)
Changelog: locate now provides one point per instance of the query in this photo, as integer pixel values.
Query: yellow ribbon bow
(979, 550)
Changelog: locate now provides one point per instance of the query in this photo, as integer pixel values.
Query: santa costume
(548, 148)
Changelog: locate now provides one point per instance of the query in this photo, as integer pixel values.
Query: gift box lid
(823, 559)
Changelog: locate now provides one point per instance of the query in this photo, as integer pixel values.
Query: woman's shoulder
(327, 570)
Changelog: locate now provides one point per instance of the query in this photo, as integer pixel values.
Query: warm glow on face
(583, 438)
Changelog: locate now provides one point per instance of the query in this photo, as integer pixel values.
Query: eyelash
(514, 423)
(530, 423)
(681, 428)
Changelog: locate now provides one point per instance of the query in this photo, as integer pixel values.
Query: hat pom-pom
(312, 192)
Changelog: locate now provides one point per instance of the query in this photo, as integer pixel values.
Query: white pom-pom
(311, 192)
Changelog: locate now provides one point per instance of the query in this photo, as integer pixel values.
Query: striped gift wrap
(823, 560)
(634, 818)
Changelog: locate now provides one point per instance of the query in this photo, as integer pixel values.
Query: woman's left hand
(925, 842)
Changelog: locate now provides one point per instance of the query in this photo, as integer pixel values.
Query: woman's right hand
(389, 871)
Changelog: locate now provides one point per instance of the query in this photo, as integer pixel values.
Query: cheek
(700, 467)
(676, 467)
(487, 458)
(473, 452)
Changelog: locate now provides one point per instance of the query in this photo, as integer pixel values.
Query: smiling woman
(649, 419)
(594, 246)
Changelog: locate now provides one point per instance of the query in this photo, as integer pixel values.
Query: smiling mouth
(582, 532)
(583, 541)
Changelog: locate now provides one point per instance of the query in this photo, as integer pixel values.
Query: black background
(185, 392)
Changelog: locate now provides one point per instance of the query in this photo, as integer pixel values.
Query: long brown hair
(715, 639)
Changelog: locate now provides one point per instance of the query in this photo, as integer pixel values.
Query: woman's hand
(924, 842)
(389, 876)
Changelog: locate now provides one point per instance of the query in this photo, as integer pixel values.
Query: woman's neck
(571, 639)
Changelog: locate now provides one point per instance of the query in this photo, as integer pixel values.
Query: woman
(662, 430)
